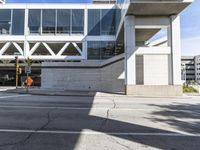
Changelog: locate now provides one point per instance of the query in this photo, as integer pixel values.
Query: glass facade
(101, 21)
(18, 22)
(48, 21)
(5, 21)
(63, 21)
(108, 22)
(69, 22)
(59, 21)
(34, 21)
(78, 21)
(94, 22)
(101, 49)
(94, 50)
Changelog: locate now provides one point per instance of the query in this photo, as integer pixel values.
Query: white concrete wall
(156, 70)
(109, 78)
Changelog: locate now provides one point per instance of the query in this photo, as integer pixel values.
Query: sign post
(29, 81)
(16, 68)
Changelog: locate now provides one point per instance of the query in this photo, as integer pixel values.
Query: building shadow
(183, 117)
(79, 118)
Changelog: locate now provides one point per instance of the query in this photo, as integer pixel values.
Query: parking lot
(33, 122)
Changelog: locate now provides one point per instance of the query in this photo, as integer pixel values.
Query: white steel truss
(51, 54)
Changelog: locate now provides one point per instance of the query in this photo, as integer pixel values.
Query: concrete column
(129, 37)
(175, 44)
(26, 33)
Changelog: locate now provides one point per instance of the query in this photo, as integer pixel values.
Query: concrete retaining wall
(89, 75)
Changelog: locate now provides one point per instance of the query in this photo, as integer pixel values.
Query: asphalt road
(30, 122)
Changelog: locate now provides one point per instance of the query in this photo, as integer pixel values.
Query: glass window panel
(117, 18)
(18, 22)
(119, 48)
(108, 22)
(34, 20)
(5, 21)
(94, 22)
(48, 21)
(94, 50)
(107, 49)
(78, 21)
(63, 21)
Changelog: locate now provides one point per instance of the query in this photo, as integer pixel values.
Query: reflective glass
(34, 20)
(94, 50)
(119, 48)
(117, 18)
(48, 21)
(5, 21)
(101, 49)
(94, 22)
(107, 49)
(78, 21)
(18, 22)
(63, 21)
(108, 22)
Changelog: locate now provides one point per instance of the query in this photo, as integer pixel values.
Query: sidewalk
(56, 92)
(48, 92)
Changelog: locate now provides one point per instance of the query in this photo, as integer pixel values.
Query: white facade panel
(156, 70)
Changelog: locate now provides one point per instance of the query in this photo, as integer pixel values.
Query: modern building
(96, 46)
(197, 68)
(188, 71)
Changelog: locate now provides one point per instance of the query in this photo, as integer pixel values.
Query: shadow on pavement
(184, 117)
(79, 119)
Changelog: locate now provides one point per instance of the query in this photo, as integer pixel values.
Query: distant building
(190, 69)
(197, 68)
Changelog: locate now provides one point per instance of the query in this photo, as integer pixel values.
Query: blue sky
(190, 24)
(190, 29)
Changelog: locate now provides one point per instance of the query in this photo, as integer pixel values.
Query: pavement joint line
(86, 108)
(102, 133)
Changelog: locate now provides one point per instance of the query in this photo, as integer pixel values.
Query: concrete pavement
(101, 122)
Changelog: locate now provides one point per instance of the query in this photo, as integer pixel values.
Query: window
(5, 21)
(107, 49)
(108, 22)
(18, 22)
(101, 49)
(63, 21)
(48, 21)
(78, 21)
(94, 50)
(94, 22)
(117, 18)
(34, 20)
(102, 22)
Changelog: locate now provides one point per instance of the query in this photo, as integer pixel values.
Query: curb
(52, 94)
